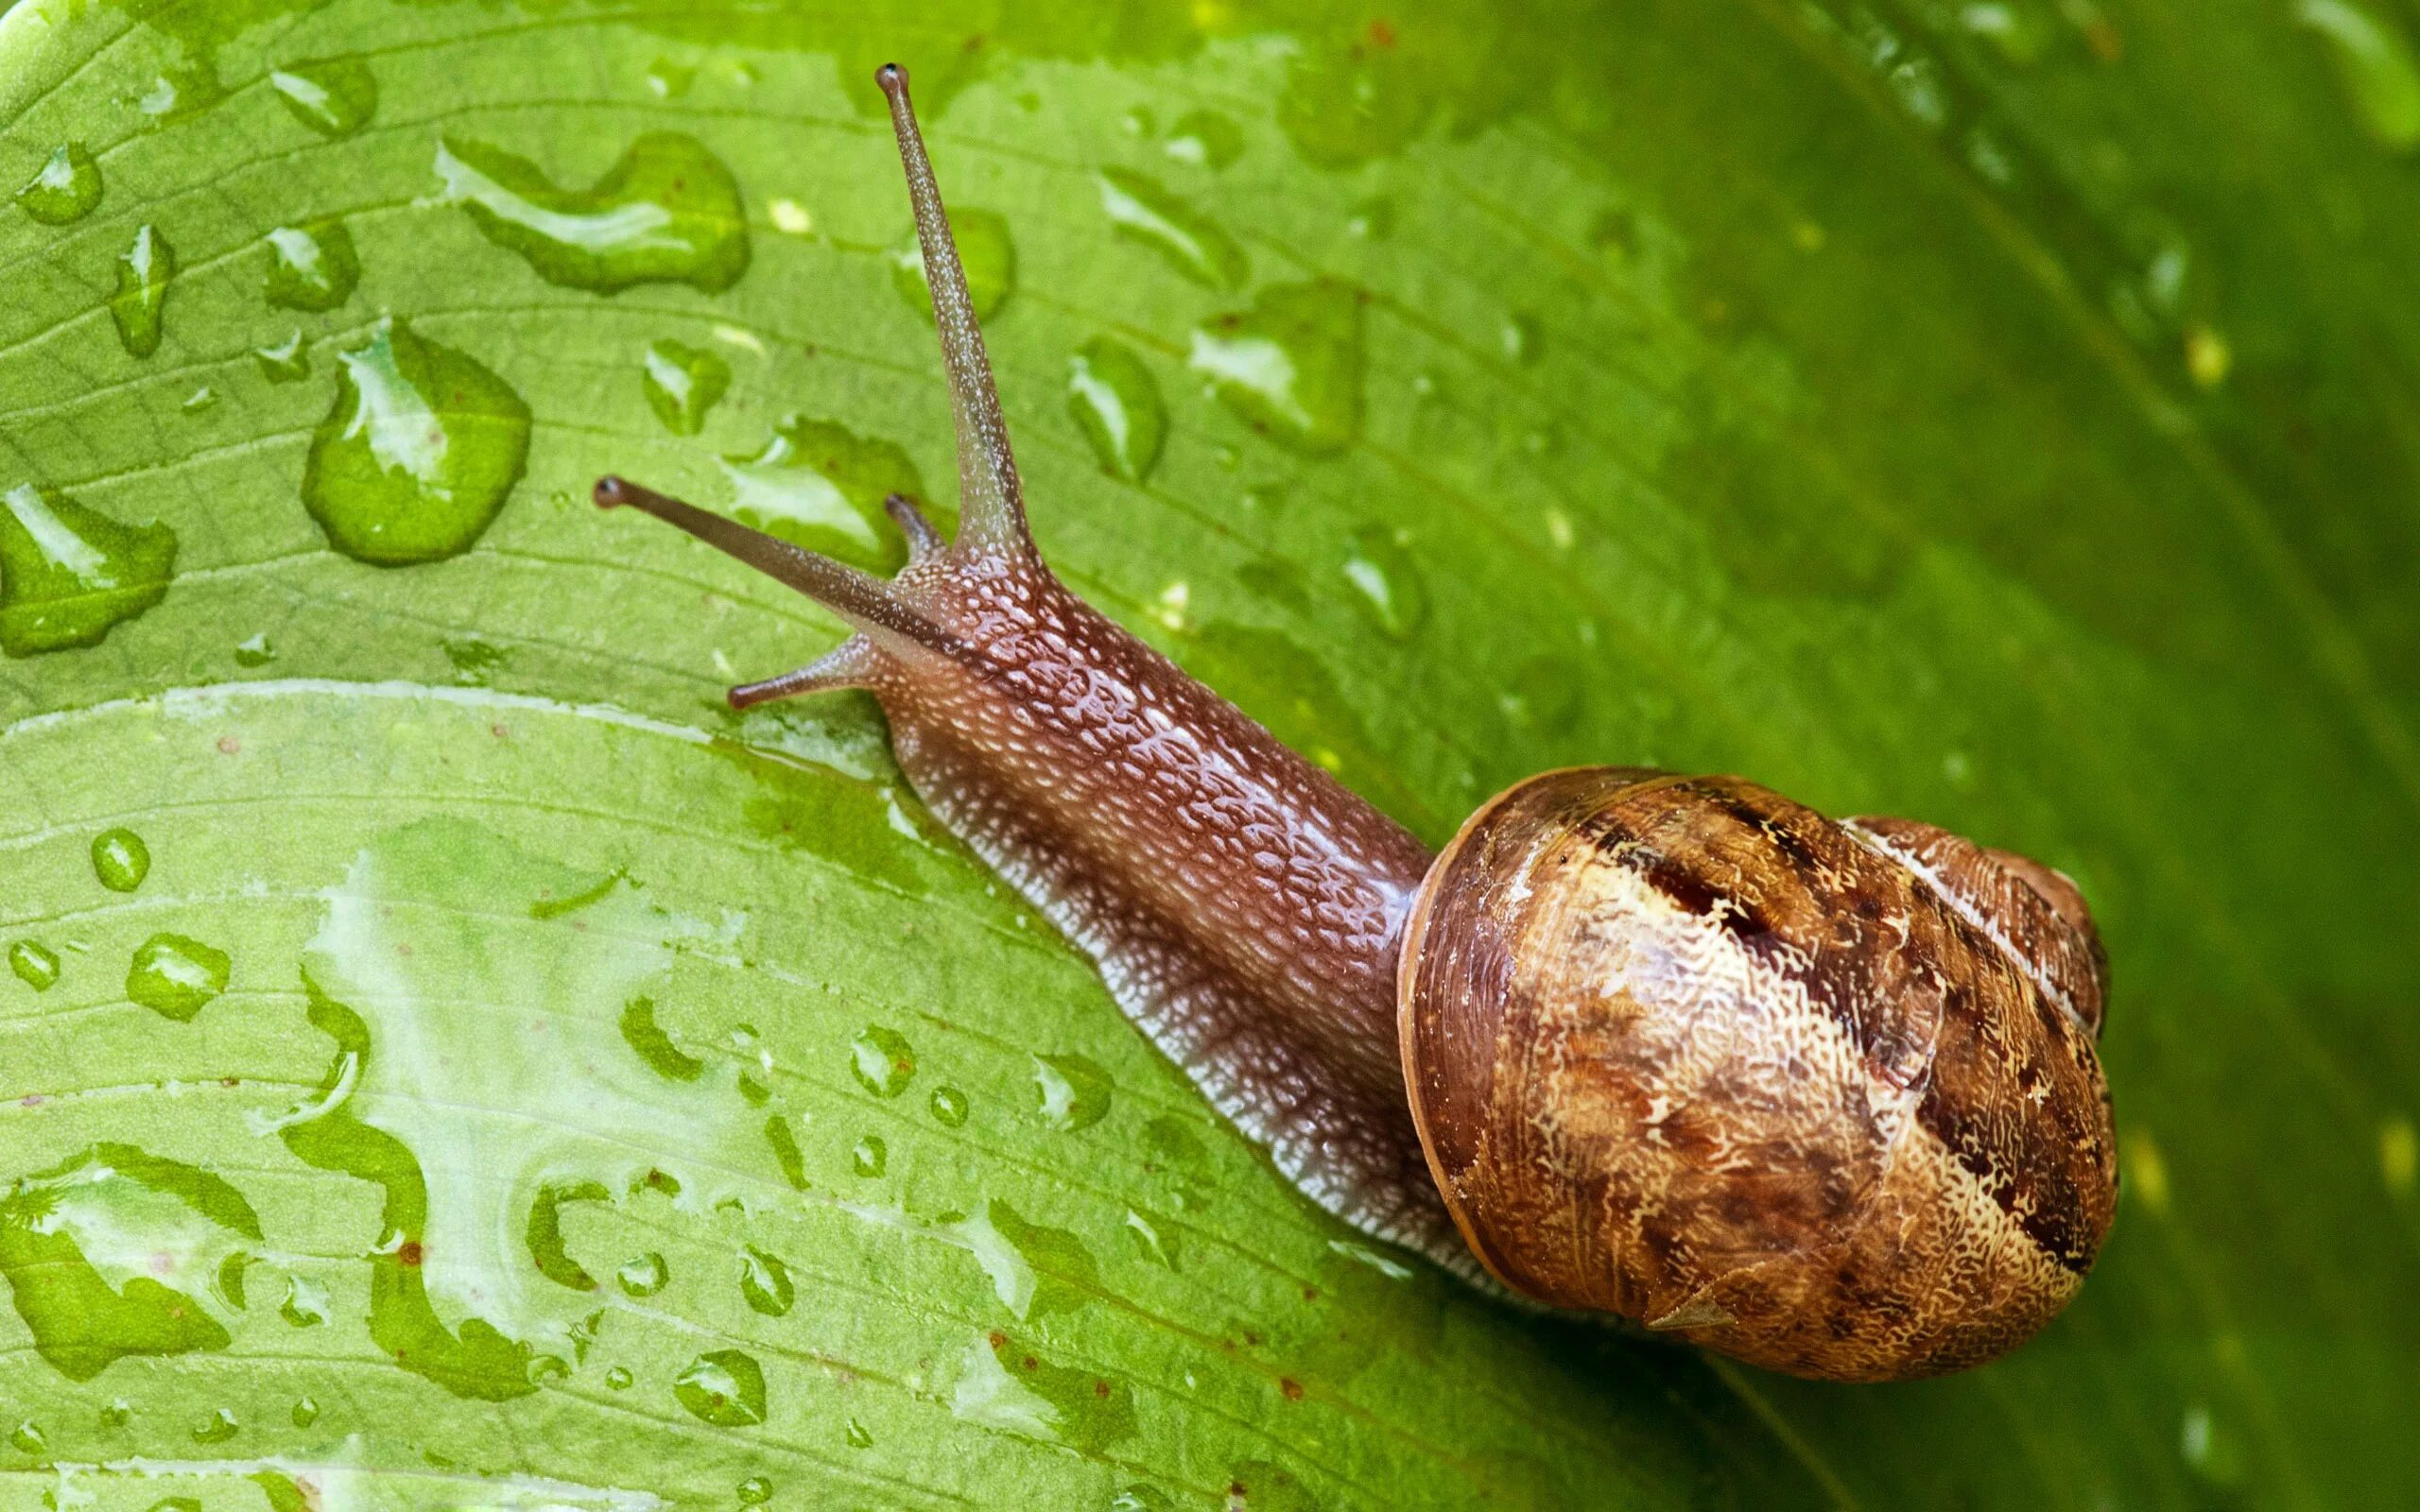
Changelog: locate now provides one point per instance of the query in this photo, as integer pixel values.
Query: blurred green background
(451, 1062)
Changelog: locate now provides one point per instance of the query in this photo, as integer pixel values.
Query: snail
(1820, 1096)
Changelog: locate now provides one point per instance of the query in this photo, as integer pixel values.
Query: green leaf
(2003, 414)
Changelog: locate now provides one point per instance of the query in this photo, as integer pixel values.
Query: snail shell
(1822, 1096)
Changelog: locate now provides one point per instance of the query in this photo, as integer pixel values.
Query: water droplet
(618, 1379)
(144, 273)
(669, 78)
(306, 1411)
(255, 651)
(756, 1490)
(1070, 1092)
(287, 362)
(2208, 356)
(949, 1106)
(871, 1158)
(117, 1413)
(1205, 139)
(1386, 583)
(311, 268)
(2207, 1448)
(1360, 1254)
(984, 249)
(70, 574)
(175, 975)
(418, 453)
(765, 1282)
(819, 485)
(666, 211)
(27, 1438)
(1290, 365)
(306, 1302)
(857, 1436)
(2146, 1170)
(178, 92)
(645, 1275)
(2019, 35)
(1007, 1386)
(1521, 338)
(215, 1429)
(1543, 695)
(682, 382)
(1142, 1499)
(36, 965)
(333, 96)
(200, 398)
(474, 661)
(882, 1061)
(1115, 403)
(1152, 1239)
(725, 1387)
(1190, 242)
(2376, 64)
(65, 189)
(120, 860)
(2398, 1156)
(789, 218)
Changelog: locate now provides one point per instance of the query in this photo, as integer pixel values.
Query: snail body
(1823, 1096)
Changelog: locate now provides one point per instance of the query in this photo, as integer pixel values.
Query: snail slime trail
(1821, 1095)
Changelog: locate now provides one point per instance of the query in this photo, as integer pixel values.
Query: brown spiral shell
(1822, 1096)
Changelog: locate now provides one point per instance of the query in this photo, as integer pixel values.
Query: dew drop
(306, 1412)
(2376, 65)
(857, 1436)
(667, 211)
(418, 453)
(1070, 1092)
(286, 361)
(144, 273)
(725, 1387)
(668, 79)
(36, 965)
(66, 187)
(1114, 399)
(1386, 583)
(311, 268)
(1290, 365)
(949, 1106)
(215, 1429)
(1007, 1386)
(333, 96)
(1152, 1239)
(645, 1275)
(984, 249)
(1521, 338)
(1204, 139)
(766, 1283)
(176, 975)
(1142, 1499)
(871, 1158)
(755, 1491)
(306, 1302)
(682, 382)
(1141, 211)
(178, 92)
(2398, 1156)
(255, 651)
(882, 1061)
(70, 574)
(821, 484)
(120, 859)
(618, 1379)
(117, 1413)
(28, 1438)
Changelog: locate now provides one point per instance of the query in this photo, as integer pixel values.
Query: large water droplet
(1290, 365)
(725, 1387)
(2376, 66)
(682, 382)
(120, 859)
(176, 975)
(417, 454)
(949, 1106)
(66, 187)
(667, 211)
(36, 963)
(144, 273)
(1386, 583)
(765, 1282)
(1191, 243)
(645, 1275)
(755, 1491)
(820, 486)
(69, 575)
(333, 96)
(1205, 139)
(1071, 1092)
(882, 1061)
(1007, 1386)
(311, 268)
(984, 250)
(1115, 400)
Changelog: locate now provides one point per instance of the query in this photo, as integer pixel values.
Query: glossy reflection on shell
(1689, 1052)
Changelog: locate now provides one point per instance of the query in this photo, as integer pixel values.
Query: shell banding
(1822, 1096)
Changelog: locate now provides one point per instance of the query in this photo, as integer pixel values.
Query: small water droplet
(765, 1282)
(36, 963)
(333, 96)
(725, 1387)
(306, 1302)
(1071, 1092)
(821, 484)
(200, 398)
(1386, 583)
(984, 250)
(789, 218)
(618, 1379)
(682, 382)
(2376, 64)
(1115, 403)
(668, 79)
(1290, 365)
(311, 268)
(120, 859)
(1521, 336)
(215, 1429)
(2207, 1448)
(1204, 139)
(949, 1106)
(2398, 1156)
(667, 211)
(176, 975)
(645, 1275)
(70, 574)
(306, 1412)
(27, 1438)
(286, 361)
(858, 1438)
(882, 1061)
(2208, 356)
(417, 454)
(1142, 1499)
(871, 1156)
(2145, 1169)
(1141, 211)
(144, 273)
(1384, 1264)
(1152, 1237)
(180, 91)
(755, 1491)
(65, 188)
(255, 651)
(117, 1413)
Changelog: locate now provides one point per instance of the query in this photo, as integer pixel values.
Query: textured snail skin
(1821, 1096)
(1684, 1050)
